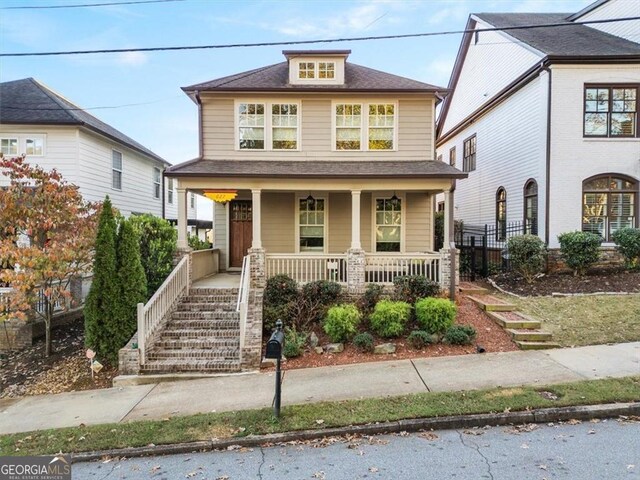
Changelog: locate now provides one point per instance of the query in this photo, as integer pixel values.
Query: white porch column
(355, 219)
(448, 219)
(256, 220)
(182, 219)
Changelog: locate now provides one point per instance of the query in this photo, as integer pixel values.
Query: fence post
(472, 260)
(485, 255)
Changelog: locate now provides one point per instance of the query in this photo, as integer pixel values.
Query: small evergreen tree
(102, 305)
(132, 280)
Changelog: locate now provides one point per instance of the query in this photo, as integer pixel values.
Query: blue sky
(167, 121)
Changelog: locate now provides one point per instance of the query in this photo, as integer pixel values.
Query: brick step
(198, 343)
(530, 335)
(514, 320)
(201, 366)
(203, 324)
(213, 291)
(195, 354)
(205, 315)
(205, 307)
(175, 333)
(526, 345)
(467, 288)
(490, 303)
(226, 299)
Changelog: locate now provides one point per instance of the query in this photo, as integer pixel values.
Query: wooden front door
(240, 231)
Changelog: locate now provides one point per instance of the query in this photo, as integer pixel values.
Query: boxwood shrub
(527, 255)
(628, 244)
(419, 339)
(435, 315)
(460, 335)
(580, 250)
(363, 342)
(342, 322)
(389, 318)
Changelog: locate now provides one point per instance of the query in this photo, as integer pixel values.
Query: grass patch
(588, 320)
(301, 417)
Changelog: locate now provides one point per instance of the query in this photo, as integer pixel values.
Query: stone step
(174, 333)
(195, 354)
(225, 299)
(490, 303)
(203, 324)
(213, 291)
(198, 343)
(514, 320)
(205, 307)
(201, 366)
(530, 335)
(468, 288)
(205, 315)
(526, 345)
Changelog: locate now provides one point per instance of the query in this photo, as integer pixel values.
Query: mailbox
(275, 343)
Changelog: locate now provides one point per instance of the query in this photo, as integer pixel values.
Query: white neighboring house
(55, 133)
(545, 121)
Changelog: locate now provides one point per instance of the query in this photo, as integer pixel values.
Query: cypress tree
(132, 280)
(101, 307)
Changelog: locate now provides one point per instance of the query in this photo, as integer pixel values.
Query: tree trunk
(47, 328)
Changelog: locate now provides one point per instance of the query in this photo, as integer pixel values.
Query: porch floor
(219, 280)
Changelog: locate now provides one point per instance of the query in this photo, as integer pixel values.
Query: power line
(76, 109)
(82, 5)
(309, 42)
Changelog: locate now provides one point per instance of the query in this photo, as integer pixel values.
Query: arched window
(501, 214)
(609, 202)
(531, 207)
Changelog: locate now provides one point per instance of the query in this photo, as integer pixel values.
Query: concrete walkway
(377, 379)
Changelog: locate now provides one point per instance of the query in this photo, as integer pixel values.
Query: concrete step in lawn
(529, 335)
(514, 320)
(468, 288)
(527, 345)
(490, 303)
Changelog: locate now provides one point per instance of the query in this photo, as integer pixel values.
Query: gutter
(164, 213)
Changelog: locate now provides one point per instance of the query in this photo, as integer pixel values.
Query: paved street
(608, 449)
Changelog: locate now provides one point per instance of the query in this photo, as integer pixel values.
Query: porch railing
(383, 268)
(308, 268)
(154, 313)
(243, 299)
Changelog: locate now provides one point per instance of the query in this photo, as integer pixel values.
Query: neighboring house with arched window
(553, 126)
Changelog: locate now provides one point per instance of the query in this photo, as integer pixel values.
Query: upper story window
(170, 191)
(34, 146)
(609, 203)
(326, 70)
(375, 131)
(9, 146)
(452, 156)
(277, 130)
(156, 182)
(116, 170)
(469, 154)
(611, 111)
(316, 70)
(31, 144)
(307, 70)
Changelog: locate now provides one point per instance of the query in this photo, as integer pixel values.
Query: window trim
(452, 156)
(317, 196)
(268, 127)
(465, 163)
(636, 203)
(403, 220)
(121, 170)
(35, 136)
(501, 225)
(364, 126)
(157, 182)
(17, 139)
(526, 196)
(610, 86)
(21, 143)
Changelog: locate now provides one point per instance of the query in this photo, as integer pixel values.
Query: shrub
(363, 342)
(460, 335)
(294, 343)
(526, 254)
(328, 293)
(413, 287)
(341, 322)
(628, 244)
(389, 318)
(435, 315)
(419, 339)
(157, 246)
(369, 298)
(280, 294)
(272, 313)
(197, 244)
(580, 250)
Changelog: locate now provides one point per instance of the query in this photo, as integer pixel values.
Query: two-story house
(545, 121)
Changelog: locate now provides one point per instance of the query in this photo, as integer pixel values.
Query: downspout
(451, 238)
(200, 128)
(164, 213)
(547, 203)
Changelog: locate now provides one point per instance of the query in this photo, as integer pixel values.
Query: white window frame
(364, 126)
(314, 70)
(170, 188)
(403, 219)
(157, 182)
(34, 137)
(317, 196)
(319, 70)
(120, 170)
(21, 143)
(268, 124)
(9, 139)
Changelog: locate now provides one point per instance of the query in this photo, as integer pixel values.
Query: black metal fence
(483, 248)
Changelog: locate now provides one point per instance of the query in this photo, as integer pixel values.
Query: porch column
(448, 219)
(182, 219)
(256, 219)
(355, 219)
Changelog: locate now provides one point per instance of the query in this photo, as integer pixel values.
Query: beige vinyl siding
(418, 232)
(339, 222)
(365, 221)
(220, 232)
(278, 222)
(414, 124)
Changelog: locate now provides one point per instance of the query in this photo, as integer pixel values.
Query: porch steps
(202, 335)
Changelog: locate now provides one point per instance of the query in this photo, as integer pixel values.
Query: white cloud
(133, 59)
(458, 12)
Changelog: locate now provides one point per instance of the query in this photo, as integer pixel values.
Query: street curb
(543, 415)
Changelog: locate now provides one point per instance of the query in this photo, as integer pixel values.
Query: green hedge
(435, 315)
(390, 318)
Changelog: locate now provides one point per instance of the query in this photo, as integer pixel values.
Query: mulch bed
(490, 336)
(29, 372)
(594, 282)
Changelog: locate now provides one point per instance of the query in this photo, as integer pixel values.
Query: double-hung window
(611, 111)
(268, 126)
(9, 146)
(373, 131)
(381, 126)
(452, 156)
(469, 154)
(170, 191)
(116, 170)
(251, 126)
(156, 182)
(312, 224)
(388, 224)
(284, 126)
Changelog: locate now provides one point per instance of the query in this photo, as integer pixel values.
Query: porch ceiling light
(395, 197)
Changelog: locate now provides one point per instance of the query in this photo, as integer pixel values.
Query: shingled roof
(28, 102)
(276, 78)
(570, 41)
(314, 169)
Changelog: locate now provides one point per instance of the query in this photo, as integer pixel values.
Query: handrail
(243, 300)
(152, 314)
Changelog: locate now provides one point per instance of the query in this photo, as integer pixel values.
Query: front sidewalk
(378, 379)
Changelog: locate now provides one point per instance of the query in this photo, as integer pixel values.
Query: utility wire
(308, 42)
(26, 106)
(82, 5)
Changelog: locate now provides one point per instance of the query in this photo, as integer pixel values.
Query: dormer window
(307, 70)
(316, 67)
(319, 70)
(326, 69)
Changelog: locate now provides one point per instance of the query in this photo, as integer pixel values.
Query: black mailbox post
(274, 350)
